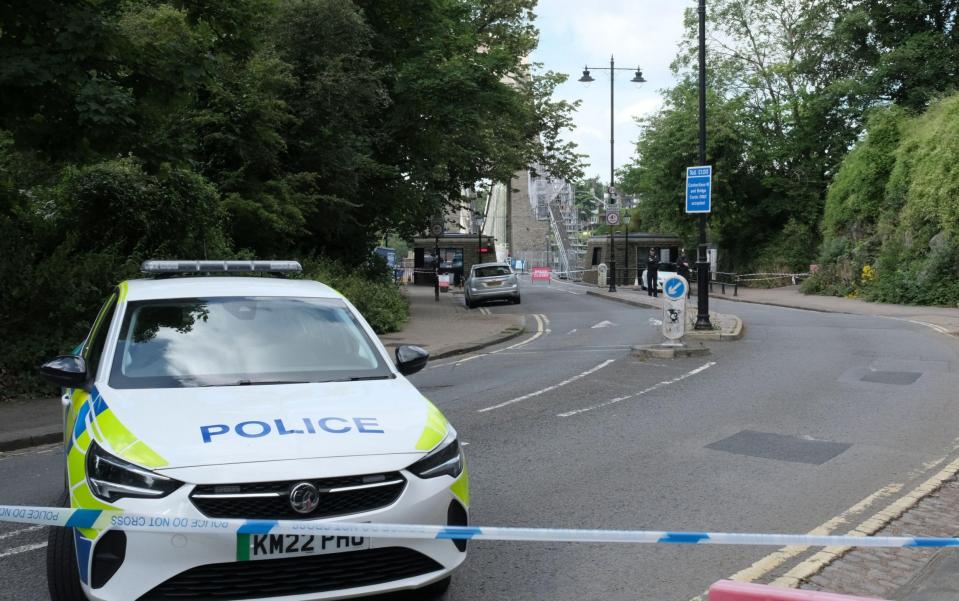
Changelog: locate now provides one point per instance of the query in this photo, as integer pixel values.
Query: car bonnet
(187, 427)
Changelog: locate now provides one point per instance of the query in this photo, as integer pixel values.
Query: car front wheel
(63, 579)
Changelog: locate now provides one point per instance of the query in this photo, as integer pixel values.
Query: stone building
(457, 255)
(639, 245)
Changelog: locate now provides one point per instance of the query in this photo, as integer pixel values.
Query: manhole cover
(779, 447)
(901, 378)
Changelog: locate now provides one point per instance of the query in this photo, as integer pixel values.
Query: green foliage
(744, 213)
(255, 128)
(589, 194)
(370, 289)
(892, 208)
(899, 50)
(94, 226)
(855, 198)
(776, 128)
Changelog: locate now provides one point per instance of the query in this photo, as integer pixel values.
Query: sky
(643, 33)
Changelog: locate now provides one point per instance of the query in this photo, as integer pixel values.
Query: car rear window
(491, 271)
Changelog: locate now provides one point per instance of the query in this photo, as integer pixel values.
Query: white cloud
(640, 108)
(643, 33)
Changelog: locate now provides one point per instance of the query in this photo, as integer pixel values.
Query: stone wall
(526, 232)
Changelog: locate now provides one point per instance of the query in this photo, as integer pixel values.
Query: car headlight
(445, 460)
(111, 478)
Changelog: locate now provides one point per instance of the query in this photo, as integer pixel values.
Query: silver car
(491, 281)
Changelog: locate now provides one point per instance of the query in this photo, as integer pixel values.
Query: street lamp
(587, 78)
(626, 257)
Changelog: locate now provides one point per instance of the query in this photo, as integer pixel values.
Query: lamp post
(480, 220)
(546, 243)
(587, 78)
(626, 252)
(702, 264)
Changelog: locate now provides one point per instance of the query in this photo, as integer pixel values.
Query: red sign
(483, 249)
(542, 273)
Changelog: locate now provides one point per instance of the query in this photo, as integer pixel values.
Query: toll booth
(638, 244)
(457, 255)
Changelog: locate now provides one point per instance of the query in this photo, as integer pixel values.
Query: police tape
(133, 522)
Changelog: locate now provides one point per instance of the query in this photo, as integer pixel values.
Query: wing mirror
(66, 371)
(411, 359)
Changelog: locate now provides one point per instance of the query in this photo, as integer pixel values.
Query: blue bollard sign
(699, 188)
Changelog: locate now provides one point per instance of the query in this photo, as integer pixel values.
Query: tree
(778, 125)
(904, 51)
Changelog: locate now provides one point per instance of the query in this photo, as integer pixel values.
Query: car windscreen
(491, 271)
(240, 341)
(667, 267)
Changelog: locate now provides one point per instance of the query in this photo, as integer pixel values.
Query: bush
(369, 287)
(66, 244)
(892, 208)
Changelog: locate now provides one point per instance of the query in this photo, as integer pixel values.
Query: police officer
(683, 270)
(652, 273)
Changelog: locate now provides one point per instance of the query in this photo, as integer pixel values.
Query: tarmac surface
(810, 420)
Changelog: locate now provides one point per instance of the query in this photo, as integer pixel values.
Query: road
(783, 431)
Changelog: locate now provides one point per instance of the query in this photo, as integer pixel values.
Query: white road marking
(603, 324)
(935, 327)
(20, 531)
(571, 331)
(540, 330)
(655, 322)
(485, 311)
(23, 549)
(549, 388)
(662, 384)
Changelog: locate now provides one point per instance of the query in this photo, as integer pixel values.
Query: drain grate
(900, 378)
(780, 447)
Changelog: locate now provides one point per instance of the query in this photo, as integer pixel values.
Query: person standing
(652, 273)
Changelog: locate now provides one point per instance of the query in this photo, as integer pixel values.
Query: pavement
(812, 422)
(445, 328)
(27, 423)
(942, 319)
(448, 328)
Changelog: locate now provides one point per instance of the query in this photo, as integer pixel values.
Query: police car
(254, 398)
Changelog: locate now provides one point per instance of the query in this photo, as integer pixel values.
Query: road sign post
(674, 307)
(699, 200)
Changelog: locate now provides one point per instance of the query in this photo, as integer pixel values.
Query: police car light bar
(156, 267)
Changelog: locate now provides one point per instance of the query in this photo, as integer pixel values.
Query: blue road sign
(699, 188)
(675, 288)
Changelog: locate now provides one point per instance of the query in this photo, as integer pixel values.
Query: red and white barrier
(728, 590)
(542, 273)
